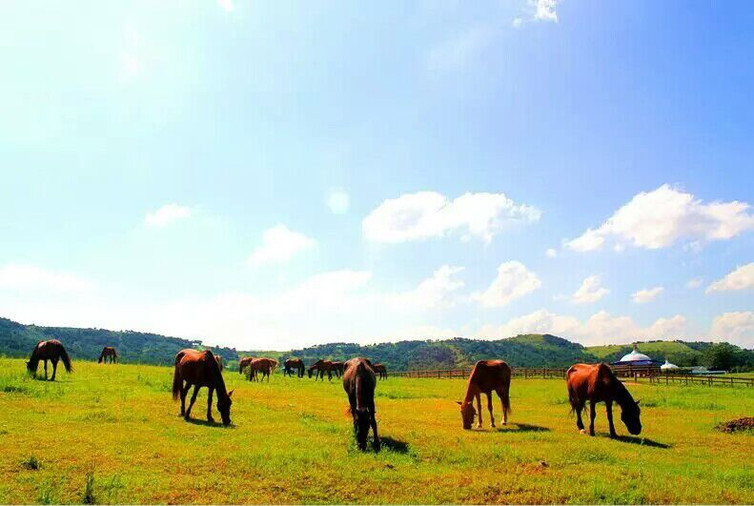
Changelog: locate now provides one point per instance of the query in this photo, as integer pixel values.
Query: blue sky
(268, 175)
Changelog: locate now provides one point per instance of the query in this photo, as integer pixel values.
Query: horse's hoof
(210, 419)
(377, 446)
(582, 431)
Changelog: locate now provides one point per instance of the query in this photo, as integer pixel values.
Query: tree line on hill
(530, 350)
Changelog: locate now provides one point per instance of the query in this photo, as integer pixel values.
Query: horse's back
(588, 380)
(359, 368)
(490, 375)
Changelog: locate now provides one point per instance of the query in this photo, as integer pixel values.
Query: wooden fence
(635, 373)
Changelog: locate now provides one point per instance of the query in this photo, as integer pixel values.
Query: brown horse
(487, 375)
(337, 367)
(381, 370)
(51, 350)
(200, 369)
(597, 383)
(108, 352)
(359, 383)
(263, 365)
(219, 361)
(322, 367)
(294, 364)
(244, 363)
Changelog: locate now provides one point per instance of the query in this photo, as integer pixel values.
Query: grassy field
(111, 434)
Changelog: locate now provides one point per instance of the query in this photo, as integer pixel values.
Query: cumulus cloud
(736, 327)
(426, 215)
(25, 277)
(647, 294)
(551, 252)
(513, 280)
(589, 291)
(338, 201)
(545, 10)
(167, 215)
(279, 244)
(431, 293)
(600, 328)
(662, 217)
(740, 279)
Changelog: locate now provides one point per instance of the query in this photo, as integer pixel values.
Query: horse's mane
(34, 359)
(622, 395)
(217, 375)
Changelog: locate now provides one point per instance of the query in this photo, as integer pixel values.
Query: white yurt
(667, 366)
(634, 358)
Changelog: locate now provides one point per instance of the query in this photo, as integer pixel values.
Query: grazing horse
(200, 369)
(597, 383)
(108, 352)
(337, 368)
(359, 383)
(51, 350)
(322, 367)
(244, 363)
(263, 365)
(487, 375)
(381, 370)
(294, 364)
(219, 361)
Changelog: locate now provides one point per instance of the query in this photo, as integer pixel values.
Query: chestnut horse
(294, 364)
(381, 370)
(597, 383)
(244, 363)
(487, 375)
(337, 368)
(263, 365)
(108, 352)
(200, 369)
(322, 367)
(51, 350)
(359, 383)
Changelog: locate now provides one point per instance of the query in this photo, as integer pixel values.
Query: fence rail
(636, 373)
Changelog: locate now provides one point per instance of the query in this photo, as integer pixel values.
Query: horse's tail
(358, 379)
(66, 360)
(177, 381)
(274, 365)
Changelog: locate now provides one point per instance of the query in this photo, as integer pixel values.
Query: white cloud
(694, 283)
(589, 291)
(279, 244)
(736, 327)
(24, 277)
(544, 10)
(647, 294)
(226, 5)
(551, 252)
(431, 293)
(740, 279)
(167, 215)
(662, 217)
(600, 328)
(456, 53)
(425, 215)
(517, 22)
(338, 201)
(513, 280)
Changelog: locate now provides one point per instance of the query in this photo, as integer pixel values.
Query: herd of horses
(193, 368)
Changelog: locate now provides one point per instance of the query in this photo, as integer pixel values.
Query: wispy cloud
(646, 295)
(279, 244)
(589, 291)
(740, 279)
(513, 280)
(167, 215)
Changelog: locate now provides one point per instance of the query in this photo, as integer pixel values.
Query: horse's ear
(231, 392)
(459, 403)
(638, 401)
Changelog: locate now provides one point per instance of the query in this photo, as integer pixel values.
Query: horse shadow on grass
(394, 445)
(642, 441)
(205, 423)
(522, 427)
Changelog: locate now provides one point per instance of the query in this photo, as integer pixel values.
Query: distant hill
(529, 350)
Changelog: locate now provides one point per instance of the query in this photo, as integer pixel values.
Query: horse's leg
(579, 422)
(500, 394)
(184, 391)
(209, 404)
(329, 375)
(193, 400)
(45, 369)
(479, 409)
(489, 407)
(609, 409)
(54, 368)
(592, 416)
(373, 421)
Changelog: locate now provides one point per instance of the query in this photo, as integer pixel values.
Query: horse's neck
(471, 391)
(622, 396)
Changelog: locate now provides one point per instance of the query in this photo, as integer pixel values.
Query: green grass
(111, 434)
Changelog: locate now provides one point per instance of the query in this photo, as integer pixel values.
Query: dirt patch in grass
(739, 425)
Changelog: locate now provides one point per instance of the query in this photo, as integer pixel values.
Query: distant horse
(359, 383)
(244, 363)
(322, 367)
(51, 350)
(381, 370)
(294, 364)
(200, 369)
(597, 383)
(337, 368)
(108, 352)
(263, 365)
(219, 361)
(487, 375)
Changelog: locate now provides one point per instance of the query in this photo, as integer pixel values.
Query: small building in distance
(668, 367)
(636, 363)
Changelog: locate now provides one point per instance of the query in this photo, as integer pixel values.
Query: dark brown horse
(381, 370)
(219, 361)
(294, 364)
(262, 365)
(51, 350)
(108, 352)
(359, 383)
(244, 363)
(597, 383)
(487, 375)
(322, 367)
(200, 369)
(337, 367)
